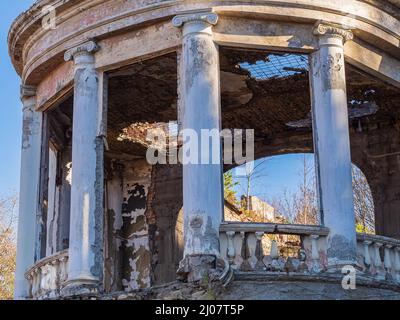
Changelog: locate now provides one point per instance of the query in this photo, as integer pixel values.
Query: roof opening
(277, 66)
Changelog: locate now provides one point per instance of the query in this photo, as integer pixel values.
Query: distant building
(261, 208)
(259, 211)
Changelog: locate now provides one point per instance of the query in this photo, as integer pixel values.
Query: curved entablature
(130, 31)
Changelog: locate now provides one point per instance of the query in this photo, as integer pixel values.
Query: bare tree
(363, 203)
(253, 173)
(285, 205)
(7, 246)
(300, 206)
(306, 208)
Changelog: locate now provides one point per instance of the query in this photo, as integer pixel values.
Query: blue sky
(10, 105)
(278, 172)
(276, 175)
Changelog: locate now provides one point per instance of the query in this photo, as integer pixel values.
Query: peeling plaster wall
(127, 249)
(136, 265)
(166, 222)
(144, 225)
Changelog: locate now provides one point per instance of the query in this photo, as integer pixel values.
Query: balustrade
(274, 247)
(47, 276)
(379, 257)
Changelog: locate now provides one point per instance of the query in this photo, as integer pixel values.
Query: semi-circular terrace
(134, 31)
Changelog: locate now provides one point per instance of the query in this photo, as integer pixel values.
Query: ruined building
(97, 220)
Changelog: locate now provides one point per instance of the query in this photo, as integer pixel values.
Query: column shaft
(332, 143)
(29, 189)
(86, 224)
(200, 94)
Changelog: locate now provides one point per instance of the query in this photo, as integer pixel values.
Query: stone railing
(379, 257)
(47, 276)
(274, 247)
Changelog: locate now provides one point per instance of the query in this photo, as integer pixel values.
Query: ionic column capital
(334, 30)
(28, 97)
(87, 48)
(27, 91)
(200, 16)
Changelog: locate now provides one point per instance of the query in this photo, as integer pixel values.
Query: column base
(337, 266)
(81, 287)
(198, 268)
(21, 291)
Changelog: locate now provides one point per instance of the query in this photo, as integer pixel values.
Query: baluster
(397, 262)
(245, 253)
(32, 277)
(64, 269)
(274, 254)
(316, 266)
(61, 270)
(367, 256)
(259, 252)
(30, 282)
(276, 264)
(38, 281)
(248, 254)
(380, 273)
(223, 245)
(231, 253)
(240, 250)
(55, 274)
(251, 245)
(44, 280)
(388, 259)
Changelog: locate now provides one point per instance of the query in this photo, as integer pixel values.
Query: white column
(332, 143)
(86, 244)
(29, 189)
(201, 109)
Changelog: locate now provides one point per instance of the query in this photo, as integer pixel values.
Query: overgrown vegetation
(229, 185)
